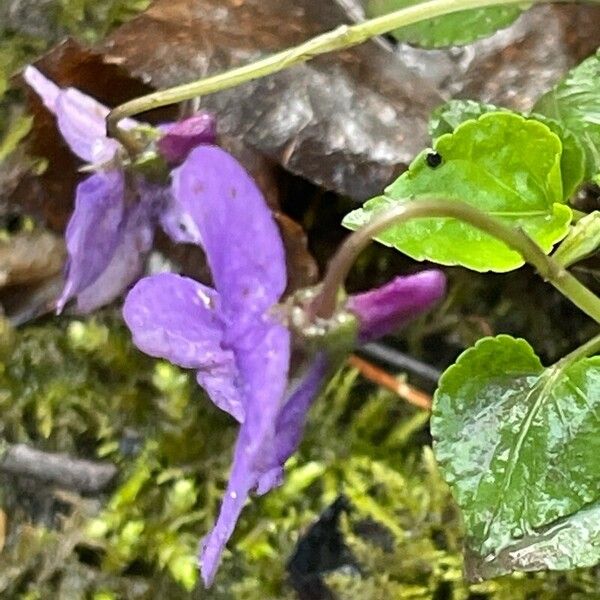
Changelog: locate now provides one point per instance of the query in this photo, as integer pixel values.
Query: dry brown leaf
(349, 121)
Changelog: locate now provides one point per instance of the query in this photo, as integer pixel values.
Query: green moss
(79, 386)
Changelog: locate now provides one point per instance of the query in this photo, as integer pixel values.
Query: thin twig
(406, 391)
(399, 360)
(81, 475)
(344, 36)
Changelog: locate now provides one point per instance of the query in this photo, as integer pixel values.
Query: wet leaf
(518, 444)
(348, 121)
(505, 165)
(582, 240)
(575, 104)
(454, 29)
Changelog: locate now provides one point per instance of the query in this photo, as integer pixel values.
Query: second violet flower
(117, 210)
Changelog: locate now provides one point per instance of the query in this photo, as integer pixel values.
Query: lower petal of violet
(94, 230)
(292, 418)
(263, 360)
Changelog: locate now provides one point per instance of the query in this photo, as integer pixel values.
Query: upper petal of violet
(221, 208)
(384, 309)
(80, 118)
(93, 231)
(81, 122)
(182, 137)
(46, 89)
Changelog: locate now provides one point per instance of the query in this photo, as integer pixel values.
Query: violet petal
(173, 223)
(127, 263)
(46, 89)
(385, 309)
(221, 383)
(174, 317)
(223, 210)
(292, 418)
(182, 137)
(263, 359)
(93, 231)
(80, 118)
(81, 122)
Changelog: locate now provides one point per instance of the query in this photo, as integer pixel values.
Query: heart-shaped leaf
(575, 104)
(502, 163)
(519, 445)
(454, 29)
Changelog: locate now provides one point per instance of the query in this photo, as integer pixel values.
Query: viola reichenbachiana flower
(260, 360)
(236, 337)
(116, 213)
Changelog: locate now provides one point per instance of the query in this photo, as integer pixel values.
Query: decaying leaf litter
(288, 133)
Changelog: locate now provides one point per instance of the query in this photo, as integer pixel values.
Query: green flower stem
(325, 304)
(590, 348)
(340, 38)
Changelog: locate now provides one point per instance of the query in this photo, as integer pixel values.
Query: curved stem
(340, 38)
(325, 304)
(589, 348)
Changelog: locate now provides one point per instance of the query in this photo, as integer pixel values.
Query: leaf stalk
(326, 302)
(344, 36)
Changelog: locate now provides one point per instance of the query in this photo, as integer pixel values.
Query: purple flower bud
(181, 138)
(385, 309)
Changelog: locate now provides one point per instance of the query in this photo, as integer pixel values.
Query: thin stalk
(344, 36)
(590, 348)
(325, 304)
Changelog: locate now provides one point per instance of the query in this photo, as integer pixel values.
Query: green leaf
(575, 104)
(447, 117)
(572, 161)
(518, 443)
(503, 164)
(455, 29)
(582, 240)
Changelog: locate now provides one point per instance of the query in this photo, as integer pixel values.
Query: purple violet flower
(234, 335)
(116, 213)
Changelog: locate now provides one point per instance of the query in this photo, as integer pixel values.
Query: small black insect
(433, 159)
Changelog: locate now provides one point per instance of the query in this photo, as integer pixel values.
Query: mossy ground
(80, 387)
